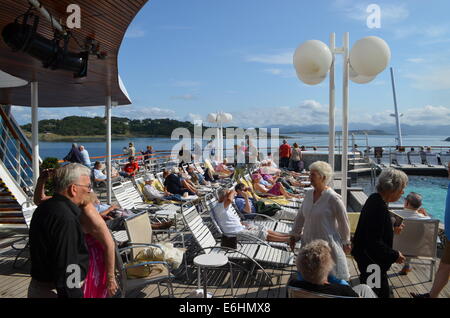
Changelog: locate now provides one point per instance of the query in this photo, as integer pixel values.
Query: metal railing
(15, 152)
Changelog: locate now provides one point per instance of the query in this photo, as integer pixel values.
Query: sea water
(432, 189)
(60, 149)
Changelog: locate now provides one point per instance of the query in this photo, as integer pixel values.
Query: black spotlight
(23, 37)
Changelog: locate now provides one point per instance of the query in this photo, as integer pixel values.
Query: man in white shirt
(230, 222)
(98, 172)
(151, 193)
(85, 156)
(412, 210)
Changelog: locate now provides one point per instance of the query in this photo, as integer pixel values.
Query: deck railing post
(331, 119)
(35, 130)
(108, 149)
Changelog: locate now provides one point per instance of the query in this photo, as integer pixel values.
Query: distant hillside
(87, 126)
(389, 129)
(358, 132)
(93, 129)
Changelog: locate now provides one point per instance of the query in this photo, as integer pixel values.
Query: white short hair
(324, 169)
(391, 180)
(314, 261)
(70, 174)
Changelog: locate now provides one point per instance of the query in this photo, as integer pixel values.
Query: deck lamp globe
(212, 118)
(312, 61)
(359, 79)
(370, 56)
(311, 80)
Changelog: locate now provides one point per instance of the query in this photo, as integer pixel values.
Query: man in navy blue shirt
(59, 256)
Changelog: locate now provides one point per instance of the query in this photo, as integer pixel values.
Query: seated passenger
(249, 206)
(173, 183)
(412, 209)
(411, 152)
(196, 177)
(99, 176)
(270, 160)
(314, 263)
(151, 193)
(130, 169)
(267, 168)
(222, 168)
(115, 217)
(269, 190)
(230, 223)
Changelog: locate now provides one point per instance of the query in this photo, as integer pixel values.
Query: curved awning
(7, 80)
(104, 20)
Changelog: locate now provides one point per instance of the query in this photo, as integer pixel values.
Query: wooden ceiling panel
(104, 20)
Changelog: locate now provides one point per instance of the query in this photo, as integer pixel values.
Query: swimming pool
(433, 190)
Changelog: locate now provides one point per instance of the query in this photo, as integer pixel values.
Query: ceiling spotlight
(23, 37)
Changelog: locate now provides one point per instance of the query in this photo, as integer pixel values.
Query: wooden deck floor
(14, 282)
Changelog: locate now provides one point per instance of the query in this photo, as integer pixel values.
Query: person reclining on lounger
(249, 206)
(174, 183)
(223, 169)
(115, 216)
(196, 177)
(231, 224)
(314, 264)
(264, 188)
(151, 193)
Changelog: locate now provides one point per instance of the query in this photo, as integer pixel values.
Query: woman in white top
(324, 216)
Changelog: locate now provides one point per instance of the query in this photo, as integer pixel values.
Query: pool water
(432, 189)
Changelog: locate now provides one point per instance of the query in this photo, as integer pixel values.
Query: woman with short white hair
(374, 235)
(314, 263)
(324, 216)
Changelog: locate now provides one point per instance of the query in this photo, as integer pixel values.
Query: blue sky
(183, 59)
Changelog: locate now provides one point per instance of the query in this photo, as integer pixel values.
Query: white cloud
(282, 58)
(416, 60)
(307, 112)
(135, 32)
(432, 32)
(286, 73)
(427, 115)
(186, 83)
(356, 10)
(185, 97)
(193, 117)
(435, 78)
(134, 112)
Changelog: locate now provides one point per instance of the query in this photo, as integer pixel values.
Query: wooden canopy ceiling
(104, 20)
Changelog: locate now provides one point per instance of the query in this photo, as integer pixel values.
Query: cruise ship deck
(14, 282)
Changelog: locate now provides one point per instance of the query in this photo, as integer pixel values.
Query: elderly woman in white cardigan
(324, 216)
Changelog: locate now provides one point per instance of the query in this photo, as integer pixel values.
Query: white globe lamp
(212, 117)
(370, 56)
(312, 59)
(311, 80)
(359, 79)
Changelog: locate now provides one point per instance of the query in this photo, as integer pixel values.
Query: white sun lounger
(432, 159)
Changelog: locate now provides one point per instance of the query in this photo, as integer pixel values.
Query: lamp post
(397, 115)
(219, 119)
(314, 59)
